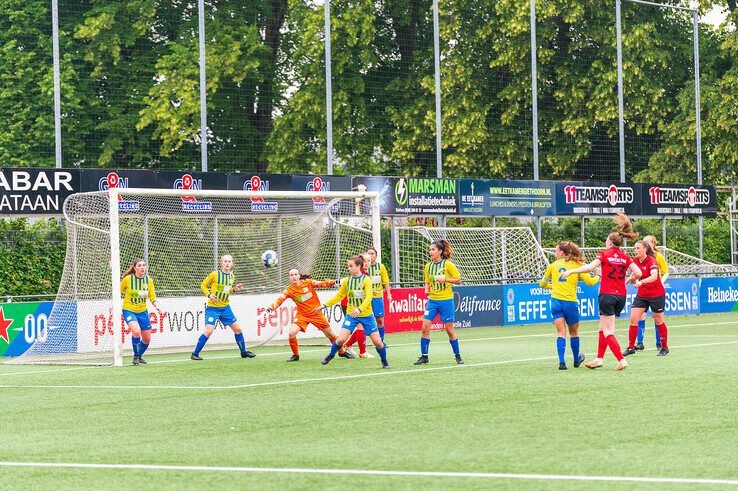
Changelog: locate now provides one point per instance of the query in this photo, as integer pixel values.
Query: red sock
(294, 346)
(632, 335)
(664, 335)
(601, 346)
(361, 340)
(352, 339)
(614, 346)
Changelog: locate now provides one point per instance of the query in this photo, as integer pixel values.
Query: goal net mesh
(181, 239)
(483, 255)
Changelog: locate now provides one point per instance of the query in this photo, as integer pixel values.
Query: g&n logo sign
(113, 180)
(258, 204)
(318, 185)
(190, 203)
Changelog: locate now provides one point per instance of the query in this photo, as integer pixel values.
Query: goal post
(181, 234)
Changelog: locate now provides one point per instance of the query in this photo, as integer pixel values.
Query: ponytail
(445, 247)
(357, 260)
(623, 230)
(571, 251)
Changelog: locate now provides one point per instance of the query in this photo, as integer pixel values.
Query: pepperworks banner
(36, 191)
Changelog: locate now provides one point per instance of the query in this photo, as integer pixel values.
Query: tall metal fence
(491, 88)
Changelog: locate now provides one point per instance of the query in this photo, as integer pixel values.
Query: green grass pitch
(508, 410)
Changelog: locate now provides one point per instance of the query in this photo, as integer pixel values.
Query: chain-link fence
(280, 96)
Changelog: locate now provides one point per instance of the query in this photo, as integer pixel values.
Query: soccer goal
(484, 256)
(181, 234)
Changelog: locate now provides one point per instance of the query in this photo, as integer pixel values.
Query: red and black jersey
(614, 268)
(655, 288)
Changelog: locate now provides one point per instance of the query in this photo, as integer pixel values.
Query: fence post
(698, 116)
(534, 91)
(203, 88)
(395, 239)
(437, 69)
(328, 89)
(621, 121)
(57, 83)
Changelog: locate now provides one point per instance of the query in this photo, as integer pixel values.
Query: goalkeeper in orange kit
(301, 290)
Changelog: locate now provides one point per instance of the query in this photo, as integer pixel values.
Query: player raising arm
(358, 289)
(651, 294)
(217, 286)
(564, 304)
(380, 283)
(136, 286)
(301, 290)
(664, 274)
(615, 264)
(440, 274)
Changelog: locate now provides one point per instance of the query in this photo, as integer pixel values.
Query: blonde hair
(571, 251)
(651, 238)
(623, 230)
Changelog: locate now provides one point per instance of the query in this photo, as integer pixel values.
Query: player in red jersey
(615, 264)
(651, 294)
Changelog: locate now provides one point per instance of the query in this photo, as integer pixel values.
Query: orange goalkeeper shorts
(318, 321)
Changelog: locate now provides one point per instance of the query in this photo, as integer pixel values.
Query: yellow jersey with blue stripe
(135, 291)
(565, 288)
(220, 285)
(358, 289)
(661, 263)
(379, 277)
(436, 290)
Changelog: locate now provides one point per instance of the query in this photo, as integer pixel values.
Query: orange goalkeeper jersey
(304, 296)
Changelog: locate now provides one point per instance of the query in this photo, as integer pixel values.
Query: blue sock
(455, 345)
(641, 329)
(240, 342)
(142, 348)
(334, 349)
(381, 333)
(561, 348)
(200, 344)
(574, 342)
(135, 342)
(656, 328)
(382, 354)
(424, 345)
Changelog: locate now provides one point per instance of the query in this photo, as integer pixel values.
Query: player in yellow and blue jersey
(380, 283)
(564, 304)
(440, 274)
(664, 274)
(217, 286)
(136, 287)
(358, 288)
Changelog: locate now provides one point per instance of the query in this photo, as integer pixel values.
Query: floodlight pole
(621, 117)
(698, 116)
(437, 65)
(328, 89)
(203, 87)
(57, 83)
(534, 92)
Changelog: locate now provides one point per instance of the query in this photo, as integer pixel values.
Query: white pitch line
(314, 379)
(373, 472)
(491, 338)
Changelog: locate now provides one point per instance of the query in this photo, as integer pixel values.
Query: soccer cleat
(596, 363)
(421, 360)
(347, 355)
(294, 358)
(326, 360)
(385, 364)
(621, 365)
(629, 351)
(141, 360)
(658, 345)
(459, 360)
(350, 350)
(247, 354)
(579, 361)
(562, 366)
(195, 357)
(639, 347)
(366, 355)
(663, 352)
(135, 360)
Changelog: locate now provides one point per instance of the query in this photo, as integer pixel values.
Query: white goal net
(181, 235)
(483, 255)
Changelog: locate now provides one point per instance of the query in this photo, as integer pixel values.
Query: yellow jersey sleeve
(385, 276)
(589, 279)
(209, 280)
(152, 290)
(451, 270)
(661, 262)
(342, 292)
(125, 286)
(546, 280)
(426, 274)
(366, 304)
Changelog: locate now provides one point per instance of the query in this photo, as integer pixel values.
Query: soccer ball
(269, 258)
